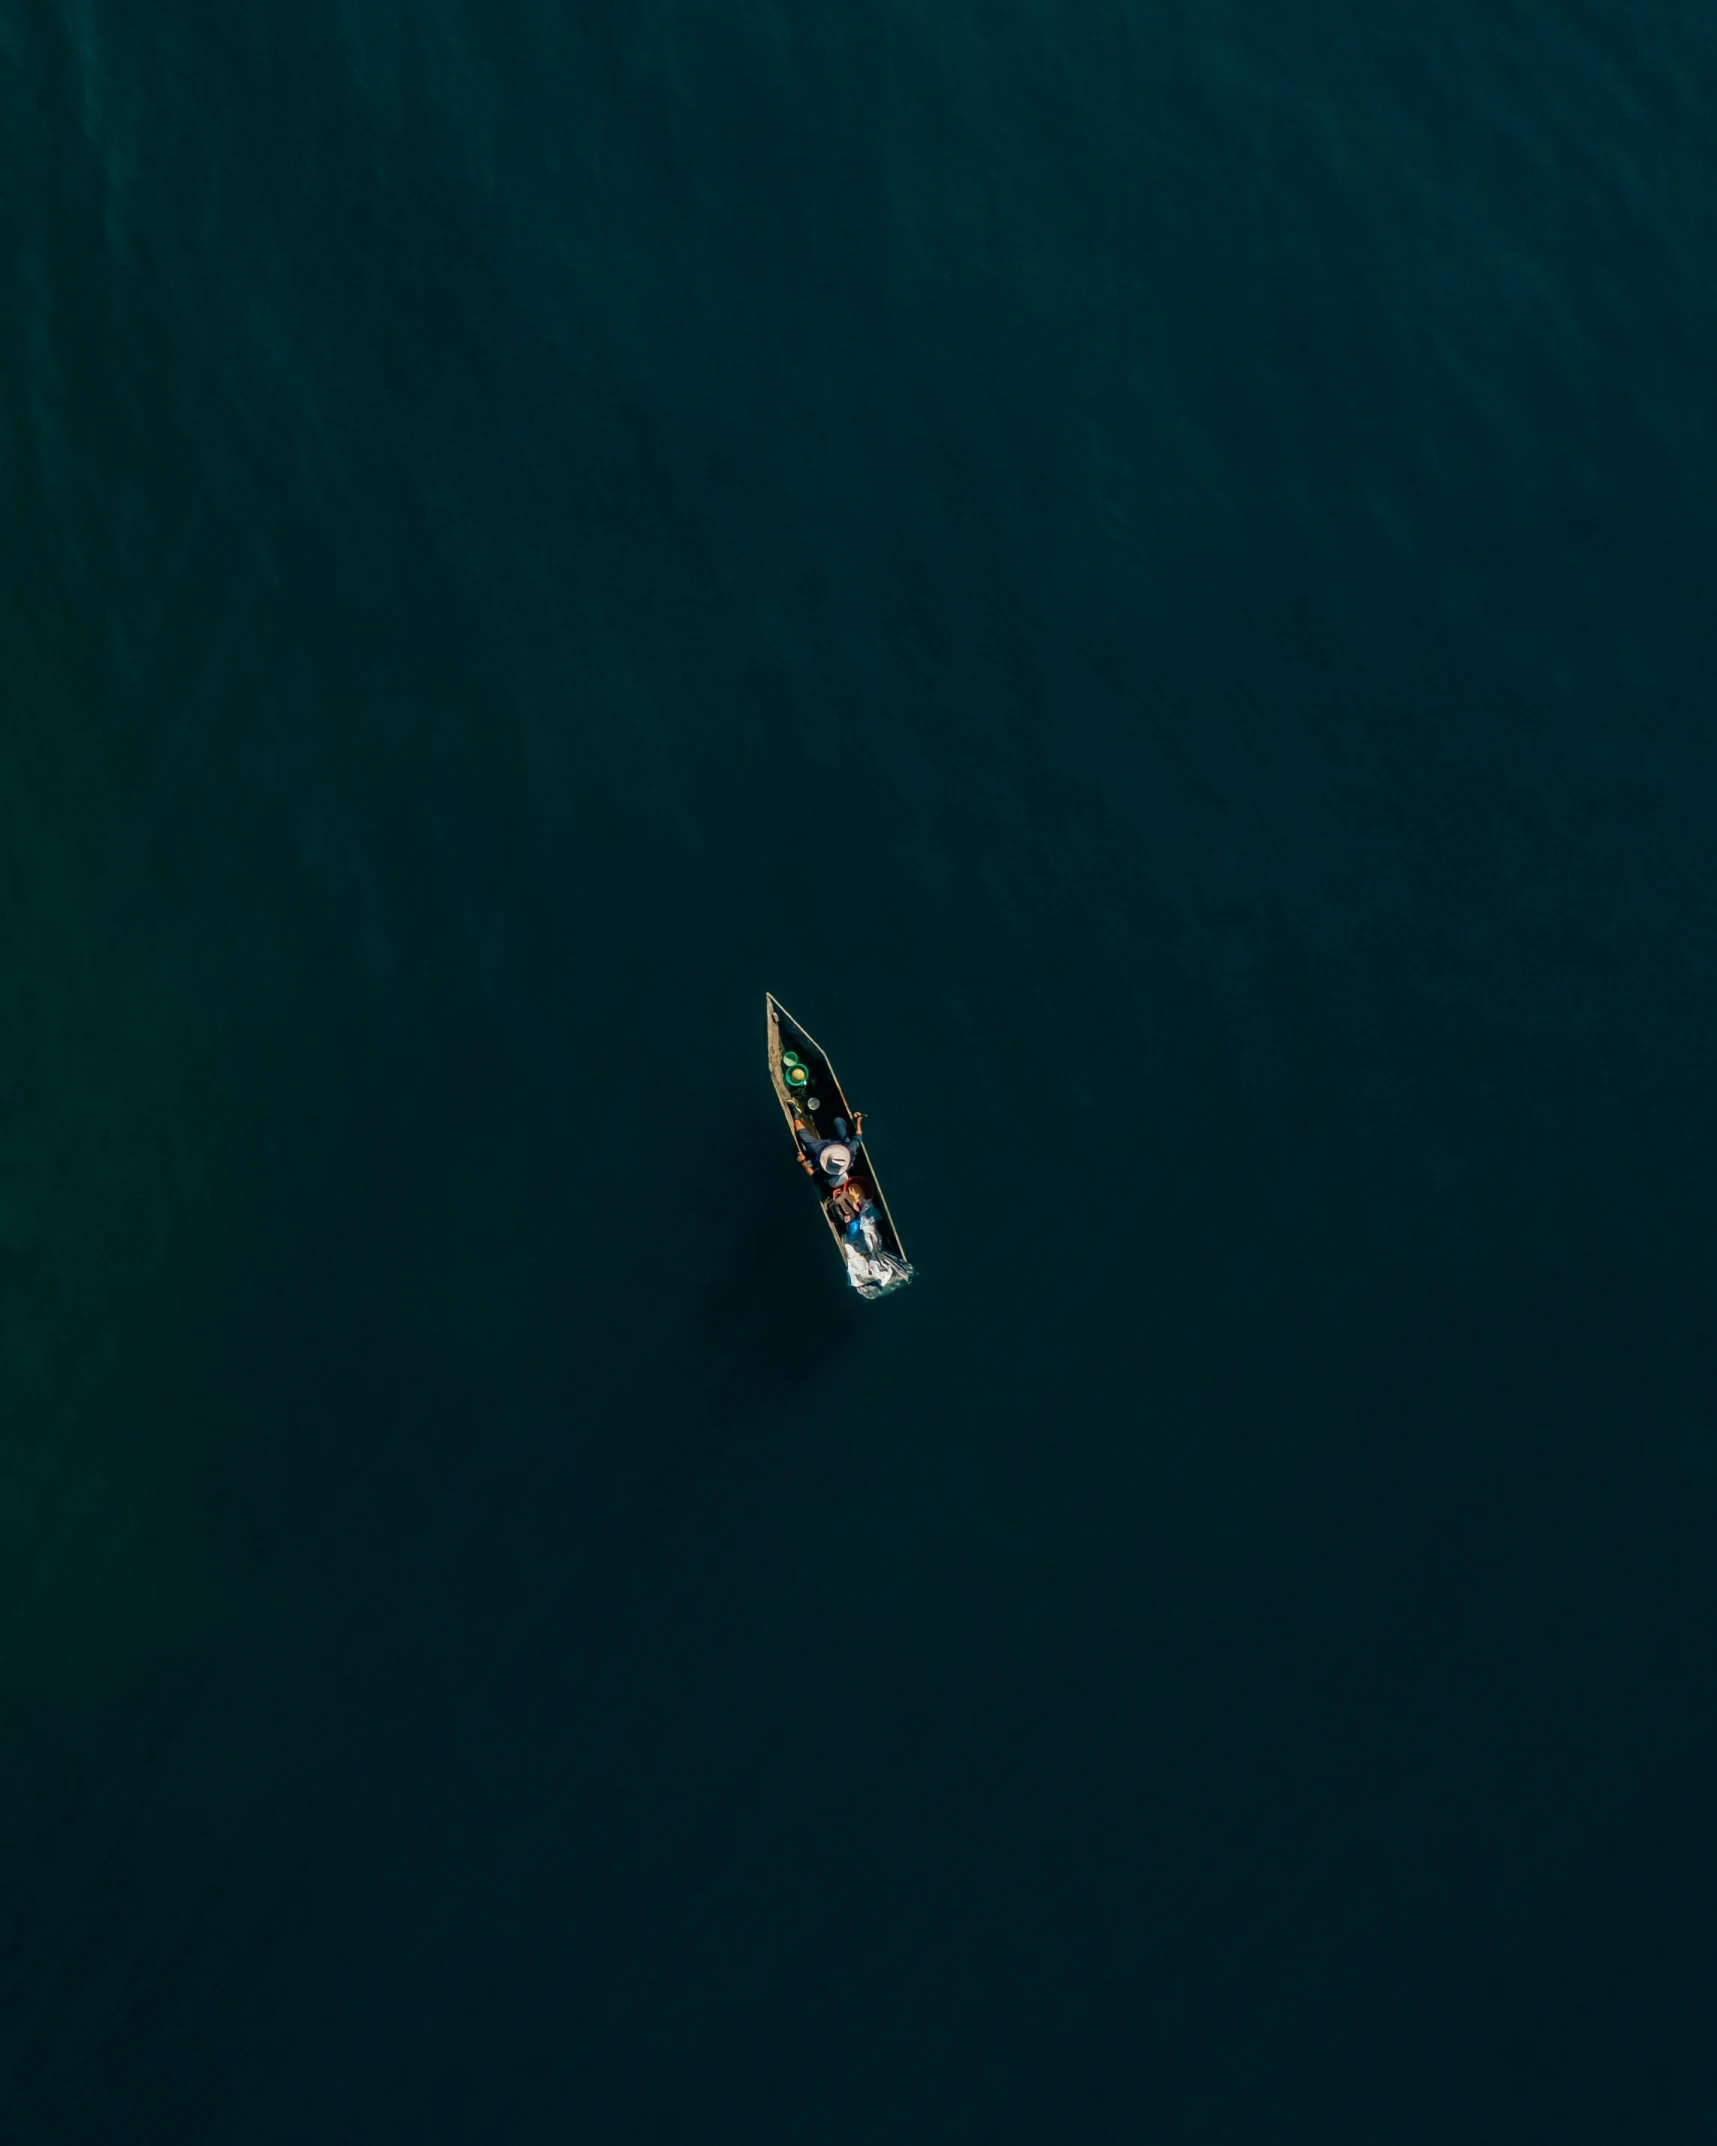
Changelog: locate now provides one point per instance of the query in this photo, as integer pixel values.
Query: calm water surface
(1149, 572)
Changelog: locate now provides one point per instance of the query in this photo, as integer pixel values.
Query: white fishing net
(870, 1269)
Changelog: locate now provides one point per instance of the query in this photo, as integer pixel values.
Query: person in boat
(830, 1160)
(849, 1202)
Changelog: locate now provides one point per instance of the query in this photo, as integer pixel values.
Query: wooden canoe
(869, 1243)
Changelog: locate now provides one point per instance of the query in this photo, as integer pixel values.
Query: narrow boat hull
(869, 1243)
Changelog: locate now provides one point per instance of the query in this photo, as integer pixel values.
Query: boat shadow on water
(774, 1317)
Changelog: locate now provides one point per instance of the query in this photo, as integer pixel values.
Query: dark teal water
(1149, 570)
